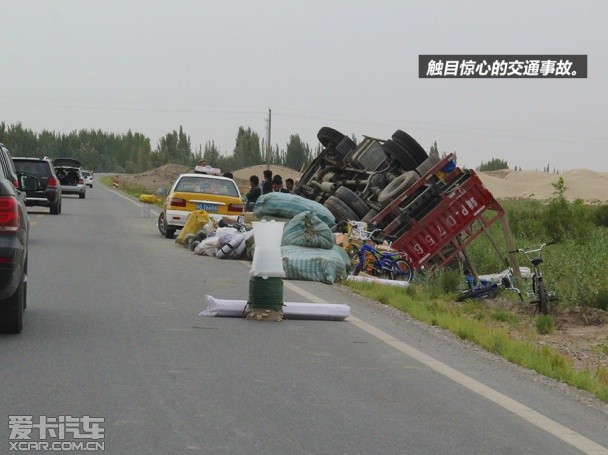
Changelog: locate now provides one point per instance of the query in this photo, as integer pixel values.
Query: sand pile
(590, 186)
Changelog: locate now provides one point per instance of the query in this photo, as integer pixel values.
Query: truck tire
(339, 209)
(397, 186)
(411, 145)
(351, 199)
(399, 154)
(328, 136)
(369, 215)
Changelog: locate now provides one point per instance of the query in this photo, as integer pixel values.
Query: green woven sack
(315, 264)
(286, 205)
(307, 229)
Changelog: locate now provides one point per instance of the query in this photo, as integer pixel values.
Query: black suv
(48, 192)
(14, 233)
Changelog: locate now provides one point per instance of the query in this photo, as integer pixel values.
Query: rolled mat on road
(291, 310)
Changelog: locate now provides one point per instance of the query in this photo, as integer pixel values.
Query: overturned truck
(432, 208)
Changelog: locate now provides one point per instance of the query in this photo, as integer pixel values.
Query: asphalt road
(112, 331)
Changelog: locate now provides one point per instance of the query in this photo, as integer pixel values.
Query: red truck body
(438, 216)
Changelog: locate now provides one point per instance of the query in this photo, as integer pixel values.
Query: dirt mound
(589, 186)
(164, 176)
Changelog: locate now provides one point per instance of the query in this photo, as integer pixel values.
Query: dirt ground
(580, 335)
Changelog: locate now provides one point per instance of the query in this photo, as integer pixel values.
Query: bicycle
(488, 289)
(354, 233)
(390, 264)
(539, 292)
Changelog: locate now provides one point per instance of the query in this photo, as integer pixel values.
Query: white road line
(535, 418)
(128, 198)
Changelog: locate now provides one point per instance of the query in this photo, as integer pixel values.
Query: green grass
(487, 328)
(544, 324)
(132, 189)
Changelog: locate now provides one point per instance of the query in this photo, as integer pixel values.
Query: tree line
(132, 152)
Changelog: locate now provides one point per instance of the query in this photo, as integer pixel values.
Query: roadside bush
(544, 324)
(600, 299)
(525, 217)
(577, 271)
(600, 215)
(438, 282)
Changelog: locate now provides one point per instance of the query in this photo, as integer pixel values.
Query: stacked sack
(309, 251)
(286, 206)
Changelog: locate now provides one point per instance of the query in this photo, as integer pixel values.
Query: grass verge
(488, 328)
(133, 189)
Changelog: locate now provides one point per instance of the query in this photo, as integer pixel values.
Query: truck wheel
(400, 155)
(369, 215)
(339, 209)
(55, 209)
(411, 145)
(328, 136)
(351, 199)
(397, 186)
(82, 195)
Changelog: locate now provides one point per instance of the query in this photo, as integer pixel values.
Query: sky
(151, 66)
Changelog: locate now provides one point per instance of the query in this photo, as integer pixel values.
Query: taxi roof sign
(207, 169)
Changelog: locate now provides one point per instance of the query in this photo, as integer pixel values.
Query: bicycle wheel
(543, 298)
(475, 293)
(402, 271)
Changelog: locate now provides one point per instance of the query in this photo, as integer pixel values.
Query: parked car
(8, 167)
(48, 191)
(70, 176)
(88, 178)
(219, 196)
(14, 235)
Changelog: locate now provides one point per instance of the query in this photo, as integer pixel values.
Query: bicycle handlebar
(532, 249)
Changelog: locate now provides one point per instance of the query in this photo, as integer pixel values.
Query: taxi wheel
(162, 228)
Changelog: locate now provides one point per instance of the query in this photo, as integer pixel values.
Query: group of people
(269, 185)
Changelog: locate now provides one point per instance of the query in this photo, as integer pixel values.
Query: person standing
(277, 184)
(289, 184)
(254, 193)
(267, 183)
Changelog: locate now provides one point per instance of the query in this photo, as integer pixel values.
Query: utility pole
(268, 146)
